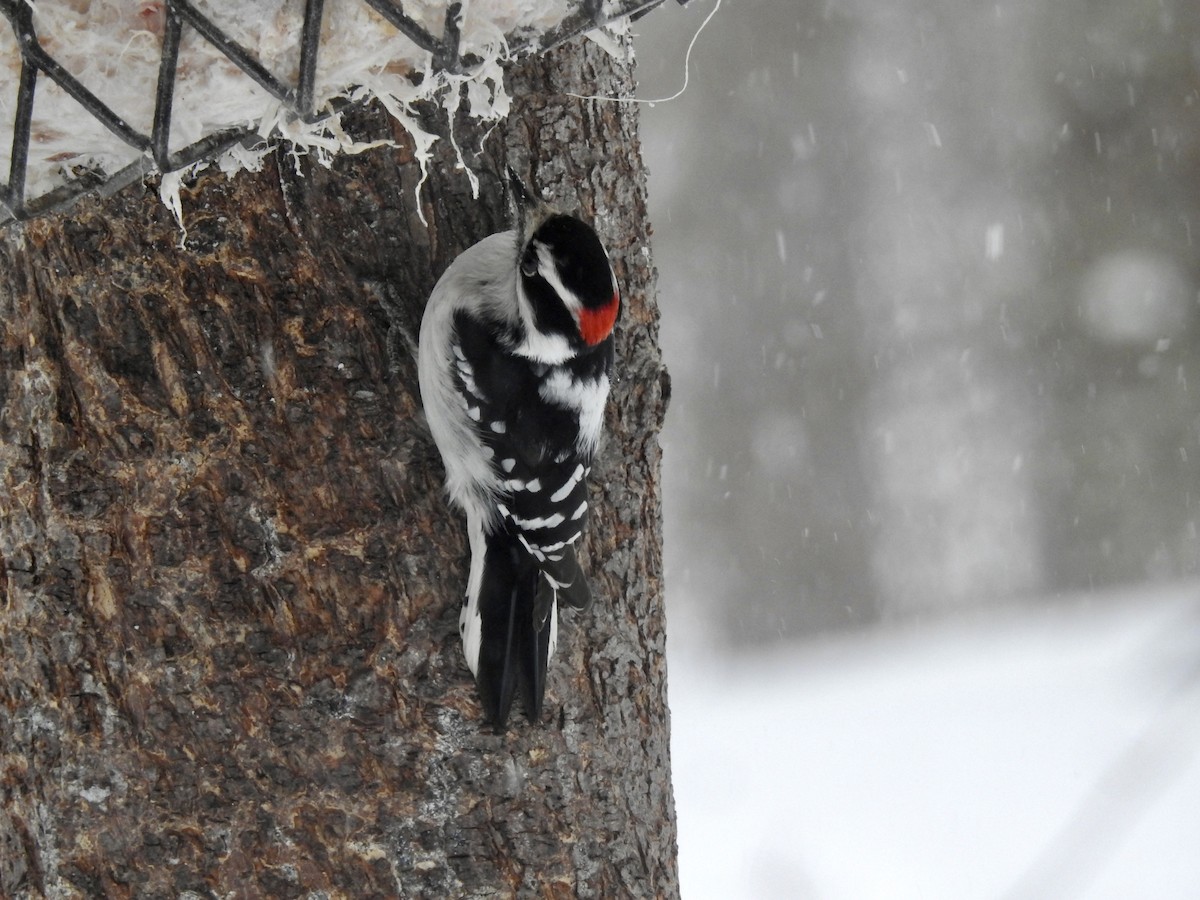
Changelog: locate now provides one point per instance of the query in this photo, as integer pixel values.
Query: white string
(687, 62)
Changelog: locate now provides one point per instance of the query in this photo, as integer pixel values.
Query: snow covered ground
(1039, 753)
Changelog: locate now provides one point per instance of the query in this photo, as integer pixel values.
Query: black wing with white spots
(533, 438)
(530, 419)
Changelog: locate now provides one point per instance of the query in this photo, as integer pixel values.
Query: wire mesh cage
(36, 69)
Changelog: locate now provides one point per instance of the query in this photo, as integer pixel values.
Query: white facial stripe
(551, 349)
(548, 270)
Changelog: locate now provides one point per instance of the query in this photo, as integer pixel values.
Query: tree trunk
(228, 617)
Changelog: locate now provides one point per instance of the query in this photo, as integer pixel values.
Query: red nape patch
(597, 324)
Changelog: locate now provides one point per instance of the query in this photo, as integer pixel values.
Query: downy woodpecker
(515, 355)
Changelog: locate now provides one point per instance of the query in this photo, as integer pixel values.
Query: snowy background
(930, 302)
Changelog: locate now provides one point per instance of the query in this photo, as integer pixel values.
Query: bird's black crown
(579, 256)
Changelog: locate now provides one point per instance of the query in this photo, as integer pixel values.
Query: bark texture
(229, 661)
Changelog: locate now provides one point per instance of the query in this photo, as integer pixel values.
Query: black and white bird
(516, 352)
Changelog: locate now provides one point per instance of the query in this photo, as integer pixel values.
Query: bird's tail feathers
(509, 626)
(497, 613)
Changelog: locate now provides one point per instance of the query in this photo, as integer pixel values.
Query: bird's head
(565, 280)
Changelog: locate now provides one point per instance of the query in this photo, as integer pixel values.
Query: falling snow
(930, 308)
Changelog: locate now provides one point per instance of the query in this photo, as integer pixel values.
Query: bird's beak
(529, 210)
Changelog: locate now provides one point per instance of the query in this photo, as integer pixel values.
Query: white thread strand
(687, 74)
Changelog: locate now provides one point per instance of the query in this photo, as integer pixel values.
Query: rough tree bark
(229, 662)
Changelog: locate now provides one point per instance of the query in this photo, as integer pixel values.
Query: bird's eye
(529, 265)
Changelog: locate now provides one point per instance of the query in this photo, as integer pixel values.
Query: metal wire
(445, 54)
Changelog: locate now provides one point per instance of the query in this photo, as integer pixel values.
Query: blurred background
(930, 291)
